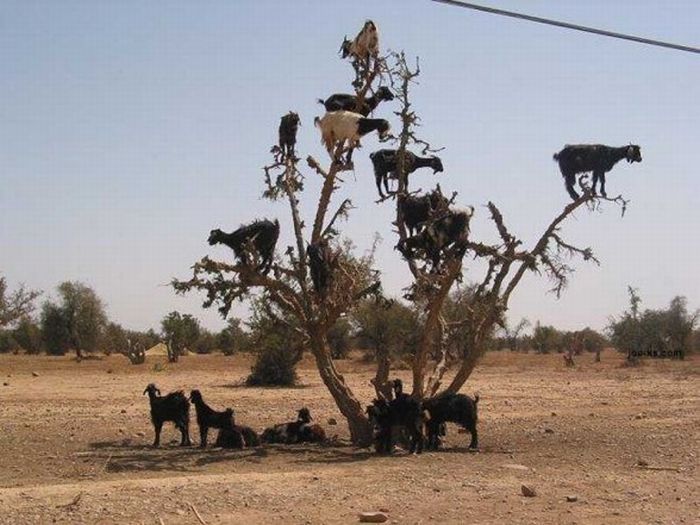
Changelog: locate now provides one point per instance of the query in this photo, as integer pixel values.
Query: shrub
(339, 339)
(275, 366)
(27, 335)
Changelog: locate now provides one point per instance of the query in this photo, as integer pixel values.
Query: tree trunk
(349, 406)
(467, 367)
(381, 378)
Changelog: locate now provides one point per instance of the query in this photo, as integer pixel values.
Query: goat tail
(555, 156)
(321, 101)
(317, 121)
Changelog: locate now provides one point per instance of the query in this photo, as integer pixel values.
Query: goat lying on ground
(417, 210)
(364, 45)
(339, 126)
(262, 234)
(232, 435)
(402, 411)
(432, 242)
(299, 431)
(596, 158)
(173, 407)
(386, 166)
(322, 262)
(207, 417)
(455, 408)
(289, 125)
(346, 102)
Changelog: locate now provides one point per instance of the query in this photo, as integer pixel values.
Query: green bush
(275, 366)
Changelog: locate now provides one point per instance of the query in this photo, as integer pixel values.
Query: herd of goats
(421, 420)
(433, 226)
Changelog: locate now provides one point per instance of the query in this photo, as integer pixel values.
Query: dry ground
(82, 430)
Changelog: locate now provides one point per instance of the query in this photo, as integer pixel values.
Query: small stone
(6, 384)
(332, 421)
(123, 410)
(554, 413)
(638, 416)
(548, 431)
(180, 512)
(141, 434)
(35, 374)
(528, 492)
(110, 371)
(642, 463)
(572, 499)
(373, 517)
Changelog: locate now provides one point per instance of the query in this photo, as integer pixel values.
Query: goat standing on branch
(289, 125)
(339, 126)
(364, 106)
(596, 158)
(386, 166)
(261, 234)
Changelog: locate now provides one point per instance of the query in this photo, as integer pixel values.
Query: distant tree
(17, 305)
(7, 342)
(27, 335)
(205, 343)
(180, 332)
(339, 338)
(660, 333)
(512, 334)
(76, 321)
(115, 339)
(547, 339)
(233, 338)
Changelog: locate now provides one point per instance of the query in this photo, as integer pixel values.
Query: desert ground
(621, 442)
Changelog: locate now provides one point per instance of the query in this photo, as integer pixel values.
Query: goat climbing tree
(291, 295)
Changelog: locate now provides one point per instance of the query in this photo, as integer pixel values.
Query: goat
(403, 411)
(174, 407)
(365, 106)
(207, 417)
(417, 210)
(289, 125)
(451, 229)
(262, 234)
(596, 158)
(292, 432)
(339, 126)
(322, 262)
(385, 162)
(364, 45)
(454, 408)
(232, 435)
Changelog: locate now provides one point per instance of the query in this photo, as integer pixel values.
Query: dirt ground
(76, 447)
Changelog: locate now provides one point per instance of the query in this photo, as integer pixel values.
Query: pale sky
(130, 129)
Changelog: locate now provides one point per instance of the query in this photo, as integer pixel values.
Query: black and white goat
(386, 166)
(453, 408)
(418, 210)
(207, 417)
(322, 262)
(596, 158)
(289, 125)
(173, 407)
(300, 431)
(364, 45)
(449, 230)
(340, 126)
(347, 102)
(262, 234)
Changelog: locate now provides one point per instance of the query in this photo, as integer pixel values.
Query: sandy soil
(76, 436)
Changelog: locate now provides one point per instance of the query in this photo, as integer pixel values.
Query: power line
(567, 25)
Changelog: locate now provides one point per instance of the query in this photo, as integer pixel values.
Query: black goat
(262, 234)
(289, 125)
(417, 210)
(402, 411)
(596, 158)
(207, 417)
(322, 262)
(173, 407)
(292, 432)
(386, 166)
(347, 102)
(454, 408)
(452, 229)
(232, 435)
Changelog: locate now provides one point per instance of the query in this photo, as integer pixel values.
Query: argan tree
(291, 293)
(16, 305)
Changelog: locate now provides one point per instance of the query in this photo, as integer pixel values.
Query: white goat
(339, 126)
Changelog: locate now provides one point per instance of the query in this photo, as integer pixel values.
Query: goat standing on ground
(596, 158)
(454, 408)
(402, 411)
(262, 234)
(289, 125)
(385, 162)
(173, 407)
(339, 126)
(347, 102)
(207, 417)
